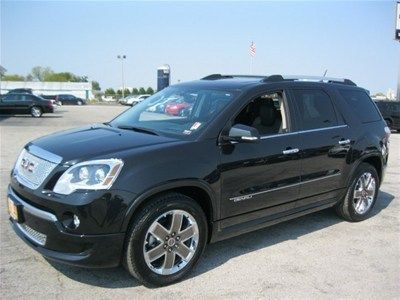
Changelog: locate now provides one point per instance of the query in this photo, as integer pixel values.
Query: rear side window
(316, 109)
(361, 104)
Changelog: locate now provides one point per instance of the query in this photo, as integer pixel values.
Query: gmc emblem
(27, 165)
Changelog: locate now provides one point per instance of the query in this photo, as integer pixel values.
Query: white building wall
(78, 89)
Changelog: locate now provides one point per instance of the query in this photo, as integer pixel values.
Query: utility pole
(122, 58)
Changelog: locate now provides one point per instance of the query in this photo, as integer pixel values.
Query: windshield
(176, 111)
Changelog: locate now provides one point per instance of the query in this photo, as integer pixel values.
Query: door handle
(344, 142)
(290, 151)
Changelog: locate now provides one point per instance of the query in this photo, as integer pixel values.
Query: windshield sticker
(195, 126)
(187, 132)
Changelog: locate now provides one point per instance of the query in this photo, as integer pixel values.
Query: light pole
(122, 58)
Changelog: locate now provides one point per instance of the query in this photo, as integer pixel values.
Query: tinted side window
(12, 97)
(361, 104)
(316, 109)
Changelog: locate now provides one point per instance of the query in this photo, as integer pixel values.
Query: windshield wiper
(137, 129)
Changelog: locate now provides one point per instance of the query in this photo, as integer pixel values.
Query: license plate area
(14, 210)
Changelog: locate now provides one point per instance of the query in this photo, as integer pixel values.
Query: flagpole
(252, 55)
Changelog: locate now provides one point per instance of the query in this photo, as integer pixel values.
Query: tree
(39, 73)
(13, 77)
(135, 91)
(119, 92)
(142, 91)
(149, 91)
(95, 86)
(127, 92)
(109, 92)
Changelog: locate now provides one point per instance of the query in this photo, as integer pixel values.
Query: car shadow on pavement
(218, 253)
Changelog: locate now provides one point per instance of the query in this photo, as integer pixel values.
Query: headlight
(89, 175)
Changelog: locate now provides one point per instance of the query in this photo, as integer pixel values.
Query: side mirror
(243, 134)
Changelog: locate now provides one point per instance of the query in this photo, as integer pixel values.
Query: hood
(93, 141)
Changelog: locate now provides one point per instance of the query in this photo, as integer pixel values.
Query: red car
(175, 108)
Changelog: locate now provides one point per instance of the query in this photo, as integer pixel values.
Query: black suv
(150, 190)
(16, 103)
(390, 111)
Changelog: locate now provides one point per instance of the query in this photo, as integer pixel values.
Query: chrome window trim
(44, 154)
(302, 131)
(33, 210)
(249, 196)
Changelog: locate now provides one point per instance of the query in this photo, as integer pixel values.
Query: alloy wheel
(36, 112)
(171, 242)
(364, 193)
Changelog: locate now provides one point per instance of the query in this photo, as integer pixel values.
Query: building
(78, 89)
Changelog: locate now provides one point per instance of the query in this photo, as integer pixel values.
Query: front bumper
(42, 231)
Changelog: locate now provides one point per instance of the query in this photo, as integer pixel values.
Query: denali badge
(27, 165)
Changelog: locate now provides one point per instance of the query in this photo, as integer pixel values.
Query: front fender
(165, 187)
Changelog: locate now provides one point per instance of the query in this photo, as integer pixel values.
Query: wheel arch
(373, 159)
(198, 190)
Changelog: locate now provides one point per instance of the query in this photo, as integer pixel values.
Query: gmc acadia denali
(150, 189)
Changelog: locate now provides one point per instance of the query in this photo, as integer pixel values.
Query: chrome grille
(32, 234)
(31, 170)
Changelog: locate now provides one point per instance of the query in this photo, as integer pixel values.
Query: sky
(350, 39)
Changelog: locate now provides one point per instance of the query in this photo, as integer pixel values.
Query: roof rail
(274, 78)
(278, 78)
(216, 77)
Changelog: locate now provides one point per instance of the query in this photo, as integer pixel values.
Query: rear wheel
(361, 195)
(36, 111)
(79, 102)
(166, 240)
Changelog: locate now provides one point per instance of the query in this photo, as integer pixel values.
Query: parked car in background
(122, 101)
(29, 91)
(390, 111)
(159, 106)
(137, 99)
(24, 103)
(52, 98)
(176, 108)
(107, 98)
(66, 99)
(133, 99)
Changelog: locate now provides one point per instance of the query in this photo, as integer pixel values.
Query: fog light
(70, 220)
(76, 221)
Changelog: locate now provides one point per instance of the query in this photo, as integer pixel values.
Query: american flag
(253, 49)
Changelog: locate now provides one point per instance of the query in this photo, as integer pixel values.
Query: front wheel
(166, 240)
(361, 194)
(36, 112)
(79, 102)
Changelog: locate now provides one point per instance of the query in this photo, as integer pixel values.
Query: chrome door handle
(344, 142)
(290, 151)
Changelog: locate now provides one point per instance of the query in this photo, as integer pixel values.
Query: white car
(136, 99)
(124, 100)
(107, 98)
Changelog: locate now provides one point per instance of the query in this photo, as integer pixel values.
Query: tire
(355, 209)
(140, 240)
(79, 102)
(36, 111)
